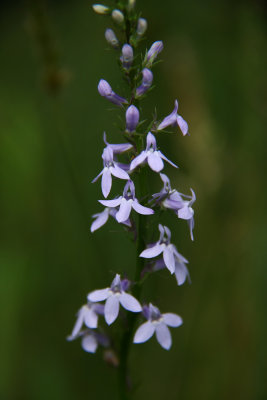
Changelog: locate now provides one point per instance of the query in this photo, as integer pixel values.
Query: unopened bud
(132, 118)
(104, 88)
(146, 82)
(117, 16)
(100, 9)
(127, 56)
(106, 91)
(141, 26)
(111, 38)
(131, 5)
(153, 52)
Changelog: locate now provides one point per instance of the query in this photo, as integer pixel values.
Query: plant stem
(124, 383)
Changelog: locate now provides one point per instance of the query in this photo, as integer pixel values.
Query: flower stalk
(134, 207)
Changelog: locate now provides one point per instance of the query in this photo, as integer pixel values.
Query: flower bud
(117, 16)
(111, 38)
(146, 82)
(100, 9)
(106, 91)
(153, 52)
(104, 88)
(127, 56)
(131, 5)
(132, 118)
(141, 26)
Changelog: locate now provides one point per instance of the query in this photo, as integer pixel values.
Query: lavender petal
(155, 162)
(124, 211)
(168, 258)
(117, 148)
(130, 303)
(185, 212)
(90, 318)
(191, 223)
(173, 320)
(79, 323)
(144, 332)
(89, 343)
(119, 172)
(116, 281)
(111, 203)
(100, 220)
(152, 251)
(183, 125)
(150, 141)
(166, 159)
(181, 273)
(111, 309)
(98, 176)
(171, 119)
(141, 209)
(163, 336)
(138, 160)
(106, 182)
(98, 295)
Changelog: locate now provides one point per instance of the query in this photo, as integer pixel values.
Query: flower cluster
(121, 296)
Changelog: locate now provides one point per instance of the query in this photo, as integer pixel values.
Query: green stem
(124, 383)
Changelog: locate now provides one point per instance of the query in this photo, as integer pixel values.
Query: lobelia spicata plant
(133, 209)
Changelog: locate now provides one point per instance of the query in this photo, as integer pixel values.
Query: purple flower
(174, 119)
(114, 296)
(106, 91)
(90, 340)
(153, 156)
(168, 197)
(180, 203)
(117, 148)
(146, 82)
(126, 56)
(101, 218)
(158, 323)
(111, 38)
(163, 245)
(186, 212)
(181, 272)
(132, 118)
(110, 168)
(126, 203)
(88, 315)
(153, 52)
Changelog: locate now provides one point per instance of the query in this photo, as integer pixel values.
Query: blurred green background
(51, 143)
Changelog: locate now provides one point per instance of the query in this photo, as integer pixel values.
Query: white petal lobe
(111, 310)
(144, 332)
(89, 343)
(130, 303)
(163, 336)
(98, 295)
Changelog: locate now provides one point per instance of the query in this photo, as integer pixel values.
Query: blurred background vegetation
(52, 119)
